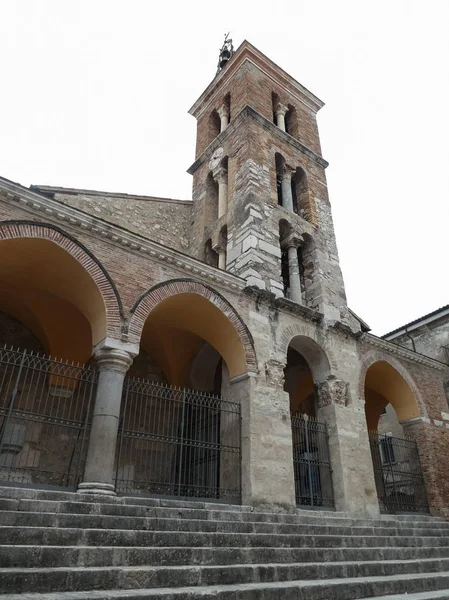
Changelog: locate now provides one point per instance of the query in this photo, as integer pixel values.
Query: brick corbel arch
(45, 231)
(375, 356)
(151, 298)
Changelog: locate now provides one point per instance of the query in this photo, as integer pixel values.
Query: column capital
(113, 359)
(332, 392)
(220, 175)
(280, 109)
(223, 111)
(292, 240)
(286, 173)
(218, 247)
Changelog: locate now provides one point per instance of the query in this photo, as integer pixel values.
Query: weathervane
(226, 51)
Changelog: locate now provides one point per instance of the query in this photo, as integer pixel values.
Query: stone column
(280, 110)
(349, 450)
(292, 243)
(286, 189)
(221, 177)
(223, 113)
(293, 270)
(113, 363)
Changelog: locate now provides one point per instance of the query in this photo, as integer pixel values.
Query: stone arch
(10, 230)
(411, 405)
(175, 287)
(311, 348)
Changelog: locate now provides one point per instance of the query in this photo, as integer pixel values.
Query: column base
(94, 487)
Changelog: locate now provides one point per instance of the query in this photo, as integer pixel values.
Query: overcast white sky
(95, 95)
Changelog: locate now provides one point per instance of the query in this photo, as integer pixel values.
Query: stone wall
(429, 339)
(253, 216)
(163, 220)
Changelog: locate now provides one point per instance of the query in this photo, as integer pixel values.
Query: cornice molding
(284, 304)
(248, 111)
(61, 213)
(246, 52)
(409, 355)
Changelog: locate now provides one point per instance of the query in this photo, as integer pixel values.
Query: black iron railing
(45, 415)
(178, 442)
(398, 474)
(311, 463)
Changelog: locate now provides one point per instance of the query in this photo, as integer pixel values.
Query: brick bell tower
(261, 208)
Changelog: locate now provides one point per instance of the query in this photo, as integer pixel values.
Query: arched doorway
(308, 367)
(390, 401)
(180, 429)
(49, 306)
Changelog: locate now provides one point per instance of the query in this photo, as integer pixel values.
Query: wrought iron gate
(178, 442)
(311, 463)
(45, 414)
(398, 474)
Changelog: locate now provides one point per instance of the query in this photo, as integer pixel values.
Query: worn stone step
(348, 588)
(47, 519)
(26, 580)
(89, 508)
(19, 493)
(435, 595)
(81, 556)
(125, 537)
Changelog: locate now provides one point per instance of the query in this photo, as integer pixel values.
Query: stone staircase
(65, 546)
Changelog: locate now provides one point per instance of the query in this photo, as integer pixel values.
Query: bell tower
(261, 208)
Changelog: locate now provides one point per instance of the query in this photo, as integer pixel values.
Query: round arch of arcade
(20, 230)
(391, 366)
(304, 339)
(242, 354)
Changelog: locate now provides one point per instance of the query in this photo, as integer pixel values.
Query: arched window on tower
(279, 112)
(283, 183)
(211, 201)
(214, 125)
(220, 175)
(274, 103)
(303, 203)
(211, 257)
(291, 121)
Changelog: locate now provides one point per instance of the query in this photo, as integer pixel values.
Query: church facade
(204, 348)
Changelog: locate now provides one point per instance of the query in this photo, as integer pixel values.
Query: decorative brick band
(148, 301)
(28, 229)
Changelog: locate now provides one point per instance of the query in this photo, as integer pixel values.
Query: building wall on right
(428, 335)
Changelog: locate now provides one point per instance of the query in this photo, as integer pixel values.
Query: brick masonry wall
(431, 429)
(166, 222)
(133, 272)
(252, 86)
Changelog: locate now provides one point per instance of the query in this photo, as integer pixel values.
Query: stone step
(105, 556)
(125, 577)
(55, 536)
(89, 508)
(20, 493)
(435, 595)
(62, 520)
(348, 588)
